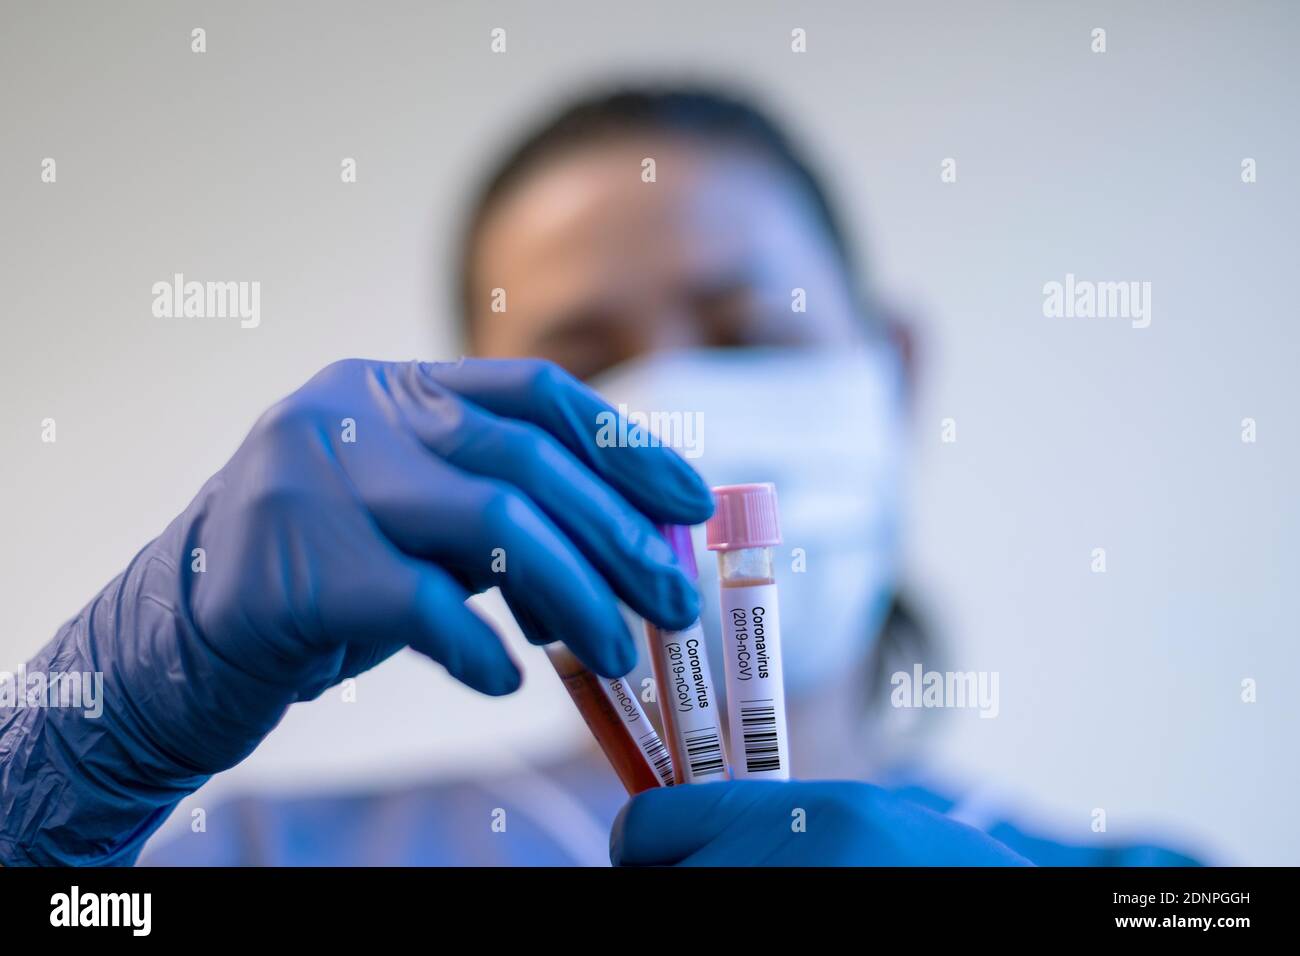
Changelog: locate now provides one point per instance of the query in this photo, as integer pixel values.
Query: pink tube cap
(744, 516)
(678, 537)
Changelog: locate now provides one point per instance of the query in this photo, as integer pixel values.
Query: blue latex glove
(323, 558)
(756, 823)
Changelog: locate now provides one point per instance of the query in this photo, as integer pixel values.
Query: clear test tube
(743, 530)
(688, 698)
(627, 750)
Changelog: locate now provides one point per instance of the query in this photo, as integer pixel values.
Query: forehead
(587, 223)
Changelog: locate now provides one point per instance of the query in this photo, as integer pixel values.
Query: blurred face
(599, 267)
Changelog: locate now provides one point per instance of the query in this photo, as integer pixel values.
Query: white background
(1119, 691)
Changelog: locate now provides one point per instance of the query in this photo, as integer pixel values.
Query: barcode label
(756, 733)
(638, 725)
(704, 752)
(688, 703)
(656, 751)
(762, 747)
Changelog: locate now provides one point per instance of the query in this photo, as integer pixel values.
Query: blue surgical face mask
(826, 428)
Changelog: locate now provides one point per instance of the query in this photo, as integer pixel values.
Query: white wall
(1118, 691)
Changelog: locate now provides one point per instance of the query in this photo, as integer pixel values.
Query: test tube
(743, 529)
(623, 697)
(688, 699)
(621, 728)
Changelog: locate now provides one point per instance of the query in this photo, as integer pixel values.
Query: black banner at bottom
(440, 905)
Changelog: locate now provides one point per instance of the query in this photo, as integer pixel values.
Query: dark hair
(717, 118)
(707, 115)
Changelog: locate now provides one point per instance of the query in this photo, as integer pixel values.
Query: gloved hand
(816, 823)
(321, 557)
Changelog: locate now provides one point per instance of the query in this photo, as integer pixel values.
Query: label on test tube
(755, 688)
(688, 702)
(647, 738)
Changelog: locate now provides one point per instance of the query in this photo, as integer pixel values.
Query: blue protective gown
(559, 815)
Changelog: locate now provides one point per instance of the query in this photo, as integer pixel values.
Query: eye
(583, 343)
(727, 314)
(739, 316)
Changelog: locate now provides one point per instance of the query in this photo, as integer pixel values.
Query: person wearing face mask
(725, 290)
(728, 290)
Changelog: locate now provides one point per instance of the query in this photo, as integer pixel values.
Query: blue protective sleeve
(356, 519)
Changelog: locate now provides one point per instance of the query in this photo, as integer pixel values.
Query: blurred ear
(902, 330)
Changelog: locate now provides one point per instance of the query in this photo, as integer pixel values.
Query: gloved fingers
(533, 632)
(487, 532)
(387, 599)
(616, 538)
(448, 631)
(656, 480)
(561, 594)
(357, 659)
(763, 823)
(668, 825)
